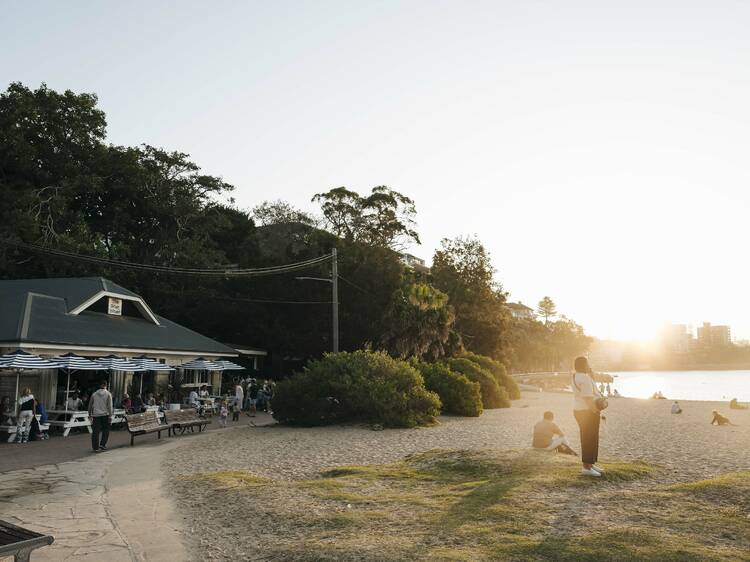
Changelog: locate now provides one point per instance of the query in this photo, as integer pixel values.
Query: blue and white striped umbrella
(20, 359)
(70, 362)
(201, 364)
(151, 364)
(229, 366)
(114, 363)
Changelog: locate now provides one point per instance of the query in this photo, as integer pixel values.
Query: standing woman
(588, 416)
(26, 409)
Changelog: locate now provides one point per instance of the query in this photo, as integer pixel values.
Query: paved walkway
(105, 507)
(99, 507)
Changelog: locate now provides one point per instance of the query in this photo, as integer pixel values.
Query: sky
(598, 150)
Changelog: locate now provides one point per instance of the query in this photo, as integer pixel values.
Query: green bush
(360, 386)
(493, 395)
(458, 394)
(498, 371)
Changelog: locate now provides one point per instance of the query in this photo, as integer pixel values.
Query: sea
(684, 385)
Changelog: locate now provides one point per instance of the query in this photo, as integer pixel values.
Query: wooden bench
(147, 422)
(184, 420)
(19, 542)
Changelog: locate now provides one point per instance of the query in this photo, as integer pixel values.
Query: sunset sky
(601, 153)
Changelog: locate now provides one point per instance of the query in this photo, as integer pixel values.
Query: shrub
(359, 386)
(498, 371)
(493, 395)
(458, 394)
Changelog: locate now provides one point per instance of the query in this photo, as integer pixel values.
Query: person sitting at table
(193, 399)
(203, 392)
(126, 403)
(6, 411)
(73, 402)
(138, 406)
(150, 400)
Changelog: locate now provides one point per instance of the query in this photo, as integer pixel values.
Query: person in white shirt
(26, 409)
(239, 397)
(587, 415)
(193, 399)
(74, 402)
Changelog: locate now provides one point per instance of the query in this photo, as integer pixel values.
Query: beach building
(521, 311)
(94, 317)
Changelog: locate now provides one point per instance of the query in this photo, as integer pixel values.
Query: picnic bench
(19, 542)
(184, 420)
(68, 419)
(142, 424)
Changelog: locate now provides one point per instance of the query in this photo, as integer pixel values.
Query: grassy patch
(494, 505)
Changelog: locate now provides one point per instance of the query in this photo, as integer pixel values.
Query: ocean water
(685, 385)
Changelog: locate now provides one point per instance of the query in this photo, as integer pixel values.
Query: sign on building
(115, 306)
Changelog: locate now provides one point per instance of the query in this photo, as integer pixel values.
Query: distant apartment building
(521, 311)
(413, 262)
(714, 336)
(677, 338)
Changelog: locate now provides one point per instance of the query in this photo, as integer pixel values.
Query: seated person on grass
(544, 436)
(719, 419)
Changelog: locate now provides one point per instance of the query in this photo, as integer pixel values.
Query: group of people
(251, 396)
(139, 404)
(28, 426)
(588, 403)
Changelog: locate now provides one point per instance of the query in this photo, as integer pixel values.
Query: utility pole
(334, 281)
(335, 298)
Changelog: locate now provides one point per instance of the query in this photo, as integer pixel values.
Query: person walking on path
(588, 415)
(101, 412)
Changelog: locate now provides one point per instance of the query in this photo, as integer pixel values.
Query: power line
(203, 272)
(344, 279)
(235, 299)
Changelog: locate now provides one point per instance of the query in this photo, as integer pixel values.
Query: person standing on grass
(587, 415)
(101, 411)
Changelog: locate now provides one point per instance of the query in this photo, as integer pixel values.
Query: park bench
(184, 420)
(142, 424)
(19, 542)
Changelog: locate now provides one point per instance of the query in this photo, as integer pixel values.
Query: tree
(546, 308)
(418, 323)
(281, 212)
(384, 218)
(462, 269)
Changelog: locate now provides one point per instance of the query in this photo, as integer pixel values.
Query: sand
(685, 447)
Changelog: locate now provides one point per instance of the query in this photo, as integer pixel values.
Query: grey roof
(38, 311)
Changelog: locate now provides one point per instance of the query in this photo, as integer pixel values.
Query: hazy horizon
(599, 152)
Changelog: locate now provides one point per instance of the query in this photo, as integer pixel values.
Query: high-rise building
(677, 338)
(714, 336)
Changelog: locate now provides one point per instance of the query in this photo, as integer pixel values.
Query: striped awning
(114, 363)
(150, 364)
(73, 362)
(229, 366)
(201, 364)
(20, 359)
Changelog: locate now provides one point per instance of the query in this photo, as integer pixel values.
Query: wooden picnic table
(19, 542)
(69, 419)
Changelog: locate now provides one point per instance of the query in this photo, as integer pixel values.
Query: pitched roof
(56, 311)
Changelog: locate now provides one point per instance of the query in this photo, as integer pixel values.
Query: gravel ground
(686, 446)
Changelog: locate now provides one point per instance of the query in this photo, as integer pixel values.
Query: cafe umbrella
(20, 360)
(70, 363)
(149, 364)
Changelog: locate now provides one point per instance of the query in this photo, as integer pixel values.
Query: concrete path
(108, 506)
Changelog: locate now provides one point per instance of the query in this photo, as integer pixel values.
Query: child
(223, 413)
(236, 406)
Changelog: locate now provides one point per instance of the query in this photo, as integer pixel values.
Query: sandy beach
(684, 448)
